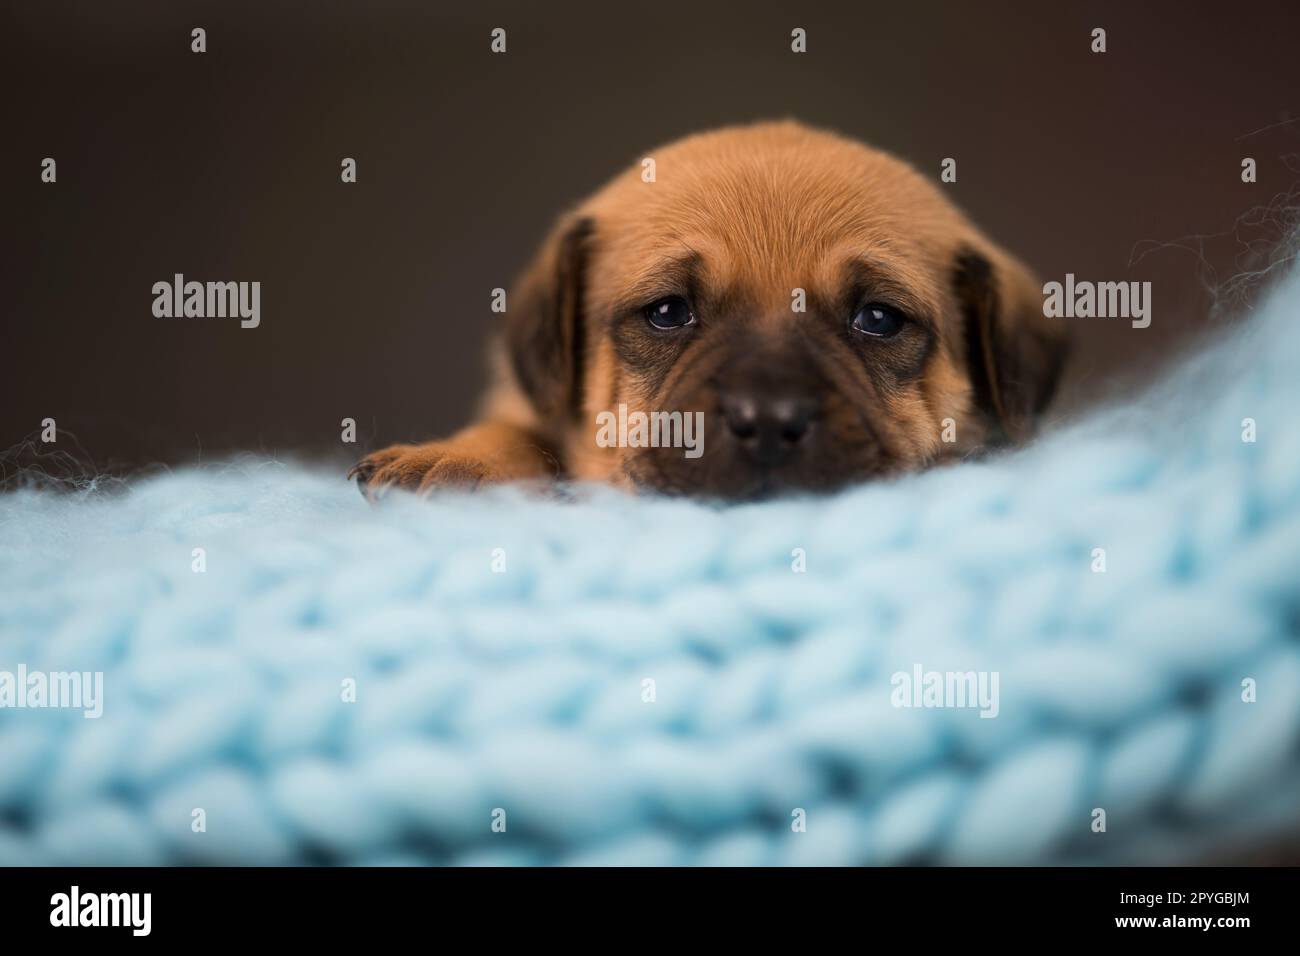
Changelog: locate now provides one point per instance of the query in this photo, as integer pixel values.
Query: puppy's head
(831, 315)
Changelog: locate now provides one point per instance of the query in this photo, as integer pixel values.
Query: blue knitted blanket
(1087, 651)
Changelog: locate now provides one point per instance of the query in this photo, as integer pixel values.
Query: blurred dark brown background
(375, 296)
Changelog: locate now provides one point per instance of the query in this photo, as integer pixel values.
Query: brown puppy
(818, 307)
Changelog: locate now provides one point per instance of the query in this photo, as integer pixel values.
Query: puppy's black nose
(768, 427)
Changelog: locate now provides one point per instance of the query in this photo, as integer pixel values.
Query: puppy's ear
(545, 335)
(1014, 354)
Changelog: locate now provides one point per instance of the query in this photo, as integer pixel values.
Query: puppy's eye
(878, 321)
(670, 313)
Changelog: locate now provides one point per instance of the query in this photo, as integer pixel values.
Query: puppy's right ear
(545, 327)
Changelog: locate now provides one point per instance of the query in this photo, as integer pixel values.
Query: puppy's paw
(419, 468)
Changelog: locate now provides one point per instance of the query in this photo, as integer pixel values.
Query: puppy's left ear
(1014, 354)
(545, 326)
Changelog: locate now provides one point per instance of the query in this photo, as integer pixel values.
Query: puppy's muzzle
(769, 401)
